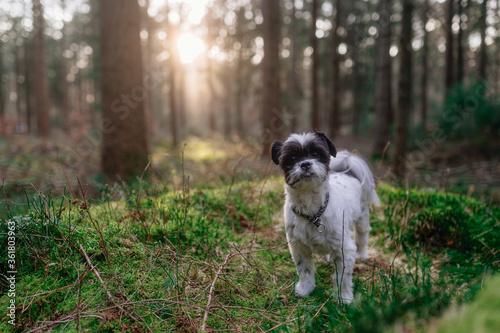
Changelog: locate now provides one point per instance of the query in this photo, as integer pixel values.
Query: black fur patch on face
(293, 152)
(276, 151)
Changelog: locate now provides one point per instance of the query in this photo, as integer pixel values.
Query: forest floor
(198, 244)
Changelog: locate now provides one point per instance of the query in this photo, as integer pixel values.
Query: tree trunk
(148, 64)
(404, 89)
(425, 64)
(497, 48)
(335, 122)
(240, 128)
(461, 45)
(17, 71)
(450, 78)
(482, 61)
(65, 108)
(226, 77)
(2, 95)
(173, 62)
(28, 83)
(212, 121)
(124, 148)
(293, 86)
(40, 73)
(272, 116)
(315, 118)
(383, 80)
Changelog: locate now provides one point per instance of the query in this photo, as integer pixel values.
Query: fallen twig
(98, 276)
(211, 292)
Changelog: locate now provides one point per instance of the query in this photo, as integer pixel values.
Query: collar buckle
(316, 218)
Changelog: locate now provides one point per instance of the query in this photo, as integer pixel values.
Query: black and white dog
(325, 198)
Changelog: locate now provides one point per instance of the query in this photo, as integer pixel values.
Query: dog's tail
(354, 165)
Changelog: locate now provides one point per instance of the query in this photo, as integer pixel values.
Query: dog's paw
(363, 256)
(347, 300)
(304, 288)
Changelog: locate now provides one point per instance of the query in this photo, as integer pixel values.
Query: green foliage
(480, 316)
(471, 114)
(436, 222)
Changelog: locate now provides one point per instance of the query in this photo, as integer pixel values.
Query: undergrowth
(150, 258)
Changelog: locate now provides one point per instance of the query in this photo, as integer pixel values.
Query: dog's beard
(300, 179)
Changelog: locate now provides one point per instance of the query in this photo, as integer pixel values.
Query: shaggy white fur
(351, 188)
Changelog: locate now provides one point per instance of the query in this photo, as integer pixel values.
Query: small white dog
(325, 198)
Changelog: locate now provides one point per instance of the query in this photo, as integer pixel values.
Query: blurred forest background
(102, 87)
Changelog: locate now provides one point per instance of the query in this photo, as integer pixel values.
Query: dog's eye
(315, 154)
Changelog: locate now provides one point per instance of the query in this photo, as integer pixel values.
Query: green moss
(480, 316)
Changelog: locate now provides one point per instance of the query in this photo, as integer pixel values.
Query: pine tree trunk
(404, 89)
(40, 73)
(148, 64)
(335, 122)
(482, 61)
(293, 81)
(212, 121)
(450, 77)
(271, 113)
(383, 80)
(124, 148)
(227, 103)
(315, 117)
(461, 45)
(425, 64)
(17, 70)
(2, 95)
(28, 83)
(65, 108)
(173, 62)
(238, 107)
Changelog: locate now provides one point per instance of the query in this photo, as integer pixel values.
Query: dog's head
(304, 158)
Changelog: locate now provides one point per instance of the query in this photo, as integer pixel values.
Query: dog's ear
(331, 147)
(276, 151)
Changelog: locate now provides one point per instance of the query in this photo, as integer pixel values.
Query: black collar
(316, 218)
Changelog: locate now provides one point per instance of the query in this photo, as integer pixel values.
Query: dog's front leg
(343, 277)
(302, 257)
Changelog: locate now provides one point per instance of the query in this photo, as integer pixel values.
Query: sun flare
(190, 47)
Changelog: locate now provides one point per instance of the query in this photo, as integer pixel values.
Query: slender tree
(28, 83)
(272, 117)
(63, 69)
(124, 148)
(315, 115)
(482, 62)
(212, 123)
(383, 79)
(292, 79)
(148, 64)
(404, 89)
(450, 77)
(40, 72)
(425, 63)
(173, 63)
(497, 48)
(2, 95)
(461, 43)
(335, 122)
(240, 33)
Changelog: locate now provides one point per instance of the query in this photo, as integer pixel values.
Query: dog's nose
(305, 166)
